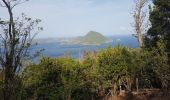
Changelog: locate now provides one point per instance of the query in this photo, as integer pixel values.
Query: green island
(111, 73)
(92, 38)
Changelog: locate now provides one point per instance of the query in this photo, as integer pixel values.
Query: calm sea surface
(57, 49)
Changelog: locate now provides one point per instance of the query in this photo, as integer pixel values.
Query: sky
(70, 18)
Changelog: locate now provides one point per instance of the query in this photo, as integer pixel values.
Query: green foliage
(16, 84)
(113, 63)
(97, 74)
(159, 18)
(161, 66)
(158, 40)
(154, 72)
(89, 77)
(93, 37)
(51, 79)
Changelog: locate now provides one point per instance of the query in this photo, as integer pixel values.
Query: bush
(96, 75)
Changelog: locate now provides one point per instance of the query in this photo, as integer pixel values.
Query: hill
(93, 38)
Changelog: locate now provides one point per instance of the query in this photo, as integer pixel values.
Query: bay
(57, 49)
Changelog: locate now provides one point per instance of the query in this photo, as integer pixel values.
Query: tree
(52, 79)
(16, 38)
(140, 23)
(158, 38)
(90, 78)
(113, 65)
(160, 25)
(161, 67)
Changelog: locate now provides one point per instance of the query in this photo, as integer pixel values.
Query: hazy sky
(69, 18)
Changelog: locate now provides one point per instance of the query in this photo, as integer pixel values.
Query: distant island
(92, 38)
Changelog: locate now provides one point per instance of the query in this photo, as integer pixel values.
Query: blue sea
(56, 49)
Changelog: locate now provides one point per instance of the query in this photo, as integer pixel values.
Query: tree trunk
(140, 40)
(137, 85)
(9, 92)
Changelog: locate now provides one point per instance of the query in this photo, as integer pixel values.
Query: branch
(17, 3)
(1, 5)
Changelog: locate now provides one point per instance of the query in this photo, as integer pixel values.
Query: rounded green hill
(93, 38)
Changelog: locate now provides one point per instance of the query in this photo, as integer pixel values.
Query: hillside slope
(93, 38)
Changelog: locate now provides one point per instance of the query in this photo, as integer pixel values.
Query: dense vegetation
(97, 75)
